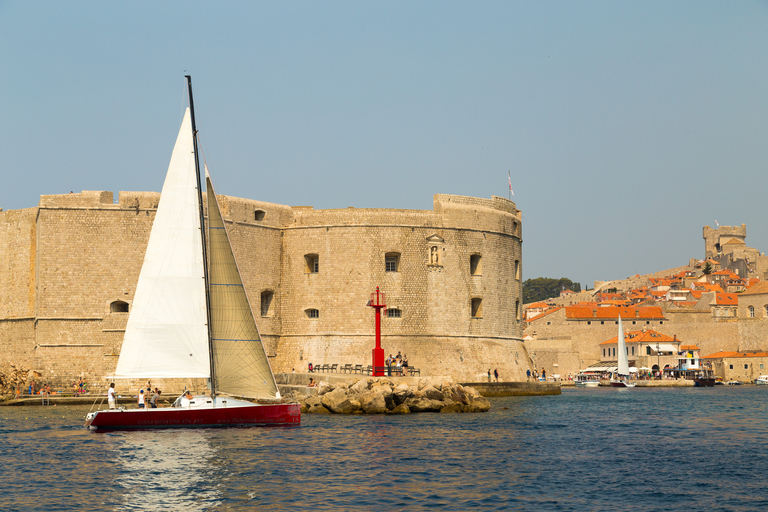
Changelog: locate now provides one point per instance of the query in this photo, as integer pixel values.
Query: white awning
(663, 347)
(598, 368)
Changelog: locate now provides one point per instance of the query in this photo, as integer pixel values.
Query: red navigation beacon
(378, 303)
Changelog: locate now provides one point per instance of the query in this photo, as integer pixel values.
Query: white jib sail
(167, 334)
(623, 363)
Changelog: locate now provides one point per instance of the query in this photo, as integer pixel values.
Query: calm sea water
(587, 449)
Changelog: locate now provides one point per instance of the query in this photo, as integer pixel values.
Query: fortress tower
(723, 240)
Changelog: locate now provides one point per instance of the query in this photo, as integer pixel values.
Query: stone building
(452, 279)
(743, 366)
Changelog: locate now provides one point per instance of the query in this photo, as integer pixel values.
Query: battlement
(84, 199)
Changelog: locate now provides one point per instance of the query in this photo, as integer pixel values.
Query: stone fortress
(452, 279)
(565, 338)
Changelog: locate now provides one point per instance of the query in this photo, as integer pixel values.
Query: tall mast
(202, 229)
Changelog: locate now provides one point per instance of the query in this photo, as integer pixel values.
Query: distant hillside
(543, 288)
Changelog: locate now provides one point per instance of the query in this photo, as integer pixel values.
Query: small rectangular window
(313, 313)
(392, 262)
(394, 313)
(746, 366)
(312, 262)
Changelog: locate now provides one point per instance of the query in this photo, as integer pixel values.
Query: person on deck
(141, 399)
(155, 397)
(186, 399)
(496, 374)
(111, 396)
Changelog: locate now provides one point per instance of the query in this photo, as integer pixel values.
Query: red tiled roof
(545, 313)
(648, 336)
(538, 305)
(757, 289)
(726, 299)
(581, 312)
(689, 347)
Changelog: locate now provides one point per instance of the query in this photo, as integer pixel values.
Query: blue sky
(627, 126)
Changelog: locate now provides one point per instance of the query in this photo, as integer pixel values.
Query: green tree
(543, 288)
(707, 268)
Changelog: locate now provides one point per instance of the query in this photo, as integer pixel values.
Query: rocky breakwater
(382, 396)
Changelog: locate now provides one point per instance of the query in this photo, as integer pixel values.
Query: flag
(509, 178)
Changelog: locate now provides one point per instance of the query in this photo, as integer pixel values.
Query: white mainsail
(241, 366)
(623, 363)
(167, 333)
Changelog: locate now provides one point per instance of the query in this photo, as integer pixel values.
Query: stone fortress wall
(70, 268)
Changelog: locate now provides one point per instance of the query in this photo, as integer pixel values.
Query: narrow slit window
(477, 308)
(476, 265)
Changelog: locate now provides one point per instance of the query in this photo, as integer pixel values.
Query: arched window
(751, 310)
(118, 306)
(259, 215)
(517, 269)
(313, 313)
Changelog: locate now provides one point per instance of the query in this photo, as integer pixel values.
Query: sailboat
(622, 373)
(191, 317)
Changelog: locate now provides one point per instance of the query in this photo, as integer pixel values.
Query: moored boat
(586, 380)
(762, 380)
(621, 379)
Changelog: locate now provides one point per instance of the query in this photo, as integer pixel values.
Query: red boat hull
(172, 417)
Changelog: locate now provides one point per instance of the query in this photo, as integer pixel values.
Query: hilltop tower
(723, 240)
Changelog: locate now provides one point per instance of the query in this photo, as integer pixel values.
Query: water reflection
(171, 469)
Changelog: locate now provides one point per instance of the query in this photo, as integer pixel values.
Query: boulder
(373, 402)
(339, 402)
(317, 409)
(324, 387)
(451, 406)
(361, 386)
(432, 393)
(469, 390)
(401, 393)
(478, 404)
(399, 409)
(423, 404)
